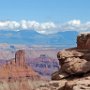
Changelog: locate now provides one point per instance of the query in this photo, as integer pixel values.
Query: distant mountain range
(31, 37)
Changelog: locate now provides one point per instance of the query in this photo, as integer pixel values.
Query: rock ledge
(74, 73)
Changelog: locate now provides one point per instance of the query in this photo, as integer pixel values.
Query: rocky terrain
(74, 73)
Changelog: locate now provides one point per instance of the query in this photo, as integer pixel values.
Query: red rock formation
(20, 58)
(17, 68)
(74, 73)
(83, 41)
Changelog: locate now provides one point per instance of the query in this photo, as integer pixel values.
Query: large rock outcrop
(74, 73)
(83, 41)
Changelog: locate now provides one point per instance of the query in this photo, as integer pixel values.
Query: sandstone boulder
(63, 55)
(75, 65)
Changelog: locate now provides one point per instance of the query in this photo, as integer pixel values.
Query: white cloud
(74, 22)
(46, 27)
(11, 25)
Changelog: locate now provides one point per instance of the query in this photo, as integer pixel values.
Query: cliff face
(74, 73)
(83, 41)
(44, 65)
(17, 68)
(20, 58)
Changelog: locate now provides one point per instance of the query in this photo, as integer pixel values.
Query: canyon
(25, 73)
(70, 71)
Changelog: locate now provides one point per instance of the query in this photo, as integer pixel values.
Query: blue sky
(45, 10)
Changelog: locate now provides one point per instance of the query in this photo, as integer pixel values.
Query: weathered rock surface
(83, 41)
(78, 84)
(75, 66)
(20, 58)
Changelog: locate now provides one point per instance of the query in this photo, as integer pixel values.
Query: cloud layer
(46, 27)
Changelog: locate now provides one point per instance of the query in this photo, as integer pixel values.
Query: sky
(45, 17)
(45, 10)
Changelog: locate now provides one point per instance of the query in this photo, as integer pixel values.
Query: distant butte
(17, 68)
